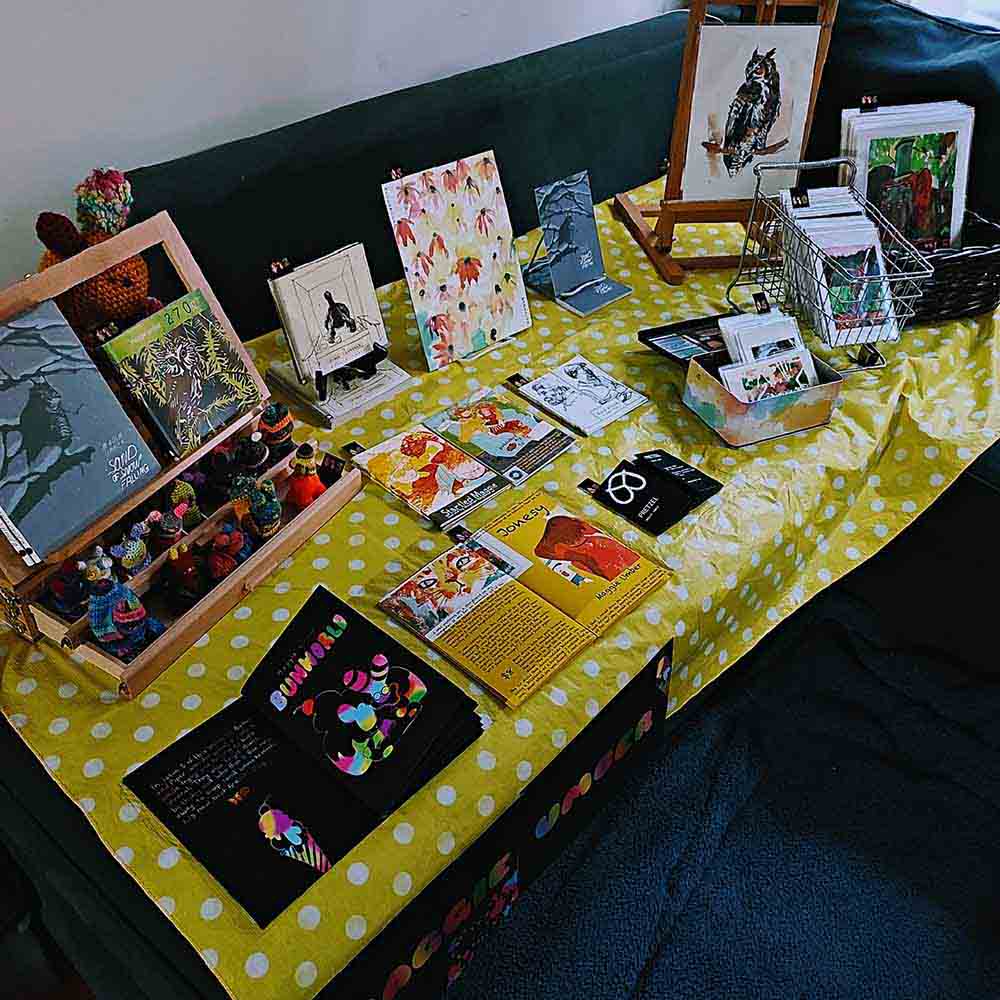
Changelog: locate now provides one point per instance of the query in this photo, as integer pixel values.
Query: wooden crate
(22, 587)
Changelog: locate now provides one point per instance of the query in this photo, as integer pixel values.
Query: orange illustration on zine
(423, 469)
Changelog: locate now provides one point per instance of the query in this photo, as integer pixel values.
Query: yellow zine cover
(469, 607)
(580, 569)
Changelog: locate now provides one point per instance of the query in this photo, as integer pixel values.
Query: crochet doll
(246, 548)
(166, 529)
(183, 493)
(132, 554)
(263, 518)
(184, 584)
(219, 470)
(276, 427)
(252, 456)
(304, 484)
(119, 295)
(224, 557)
(118, 619)
(67, 591)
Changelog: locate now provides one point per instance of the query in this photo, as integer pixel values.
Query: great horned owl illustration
(753, 112)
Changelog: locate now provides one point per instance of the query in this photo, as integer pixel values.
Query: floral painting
(457, 246)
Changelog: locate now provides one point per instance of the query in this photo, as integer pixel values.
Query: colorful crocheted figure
(119, 294)
(183, 493)
(304, 484)
(276, 426)
(166, 529)
(219, 470)
(246, 549)
(263, 519)
(224, 557)
(184, 582)
(132, 554)
(67, 591)
(252, 456)
(118, 619)
(240, 488)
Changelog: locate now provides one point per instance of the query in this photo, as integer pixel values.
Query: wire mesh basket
(857, 294)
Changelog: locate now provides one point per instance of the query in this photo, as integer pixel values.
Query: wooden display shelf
(38, 288)
(134, 677)
(22, 586)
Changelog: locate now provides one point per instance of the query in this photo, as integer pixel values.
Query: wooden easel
(657, 240)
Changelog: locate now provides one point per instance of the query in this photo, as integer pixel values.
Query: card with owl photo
(750, 103)
(459, 257)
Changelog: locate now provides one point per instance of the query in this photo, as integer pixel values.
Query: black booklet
(652, 491)
(268, 799)
(356, 700)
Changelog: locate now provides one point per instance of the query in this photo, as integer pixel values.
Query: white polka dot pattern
(795, 514)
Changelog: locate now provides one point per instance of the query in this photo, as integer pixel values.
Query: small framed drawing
(329, 311)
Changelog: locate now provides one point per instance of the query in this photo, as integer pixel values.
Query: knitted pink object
(103, 201)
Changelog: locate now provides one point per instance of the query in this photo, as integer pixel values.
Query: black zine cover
(378, 718)
(262, 818)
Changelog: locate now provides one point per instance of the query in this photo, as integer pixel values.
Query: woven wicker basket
(965, 282)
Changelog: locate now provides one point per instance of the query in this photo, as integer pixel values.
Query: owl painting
(749, 107)
(753, 112)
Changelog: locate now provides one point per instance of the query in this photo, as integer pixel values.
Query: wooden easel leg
(630, 214)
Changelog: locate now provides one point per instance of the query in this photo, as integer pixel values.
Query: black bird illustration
(753, 113)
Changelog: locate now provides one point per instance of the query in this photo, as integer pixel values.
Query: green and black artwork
(911, 180)
(182, 369)
(68, 452)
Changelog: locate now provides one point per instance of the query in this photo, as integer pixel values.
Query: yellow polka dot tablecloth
(796, 513)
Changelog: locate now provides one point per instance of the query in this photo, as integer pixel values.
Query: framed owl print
(746, 96)
(751, 97)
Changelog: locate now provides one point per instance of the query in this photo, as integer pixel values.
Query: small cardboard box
(739, 423)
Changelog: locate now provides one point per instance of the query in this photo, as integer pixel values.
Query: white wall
(131, 82)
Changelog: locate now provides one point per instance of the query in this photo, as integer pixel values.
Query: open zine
(579, 394)
(514, 602)
(430, 475)
(329, 312)
(337, 726)
(459, 257)
(501, 431)
(572, 271)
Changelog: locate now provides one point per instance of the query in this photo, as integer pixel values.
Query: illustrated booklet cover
(269, 799)
(355, 700)
(70, 452)
(572, 271)
(459, 258)
(579, 394)
(182, 369)
(430, 475)
(751, 98)
(514, 602)
(501, 431)
(329, 312)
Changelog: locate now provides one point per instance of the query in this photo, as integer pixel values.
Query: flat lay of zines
(396, 574)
